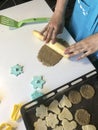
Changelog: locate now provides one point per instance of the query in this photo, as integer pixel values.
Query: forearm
(61, 6)
(56, 24)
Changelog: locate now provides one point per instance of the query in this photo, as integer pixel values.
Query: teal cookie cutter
(37, 82)
(17, 69)
(36, 94)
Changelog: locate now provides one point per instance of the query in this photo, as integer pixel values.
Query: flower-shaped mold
(36, 94)
(37, 82)
(17, 70)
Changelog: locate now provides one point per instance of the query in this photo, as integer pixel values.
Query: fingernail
(66, 52)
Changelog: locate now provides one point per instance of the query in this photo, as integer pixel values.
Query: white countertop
(19, 46)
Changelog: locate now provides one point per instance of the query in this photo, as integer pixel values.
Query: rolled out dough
(48, 56)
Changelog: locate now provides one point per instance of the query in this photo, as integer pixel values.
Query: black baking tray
(29, 109)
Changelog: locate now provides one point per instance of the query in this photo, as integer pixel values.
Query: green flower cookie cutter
(4, 20)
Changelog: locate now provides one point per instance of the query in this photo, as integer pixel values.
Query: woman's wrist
(61, 6)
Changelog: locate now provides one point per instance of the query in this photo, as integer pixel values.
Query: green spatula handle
(33, 20)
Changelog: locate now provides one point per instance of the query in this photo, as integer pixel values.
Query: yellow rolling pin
(58, 47)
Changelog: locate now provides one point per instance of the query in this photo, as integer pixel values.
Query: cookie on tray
(40, 125)
(54, 107)
(41, 111)
(51, 120)
(89, 127)
(69, 125)
(65, 114)
(58, 128)
(82, 117)
(74, 96)
(87, 91)
(65, 102)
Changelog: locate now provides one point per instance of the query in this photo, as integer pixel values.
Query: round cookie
(74, 96)
(82, 117)
(87, 91)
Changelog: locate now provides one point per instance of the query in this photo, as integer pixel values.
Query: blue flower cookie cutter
(17, 69)
(37, 82)
(36, 94)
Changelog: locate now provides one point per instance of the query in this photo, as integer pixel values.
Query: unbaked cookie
(41, 111)
(69, 125)
(58, 128)
(82, 117)
(87, 91)
(89, 127)
(54, 107)
(40, 125)
(74, 96)
(65, 102)
(51, 120)
(65, 114)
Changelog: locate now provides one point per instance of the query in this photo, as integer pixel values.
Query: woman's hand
(54, 27)
(85, 47)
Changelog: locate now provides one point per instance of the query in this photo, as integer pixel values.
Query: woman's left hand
(84, 47)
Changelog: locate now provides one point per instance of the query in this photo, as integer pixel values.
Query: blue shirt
(84, 20)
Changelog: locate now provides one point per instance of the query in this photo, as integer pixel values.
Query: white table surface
(19, 46)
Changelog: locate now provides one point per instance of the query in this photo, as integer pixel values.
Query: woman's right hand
(54, 27)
